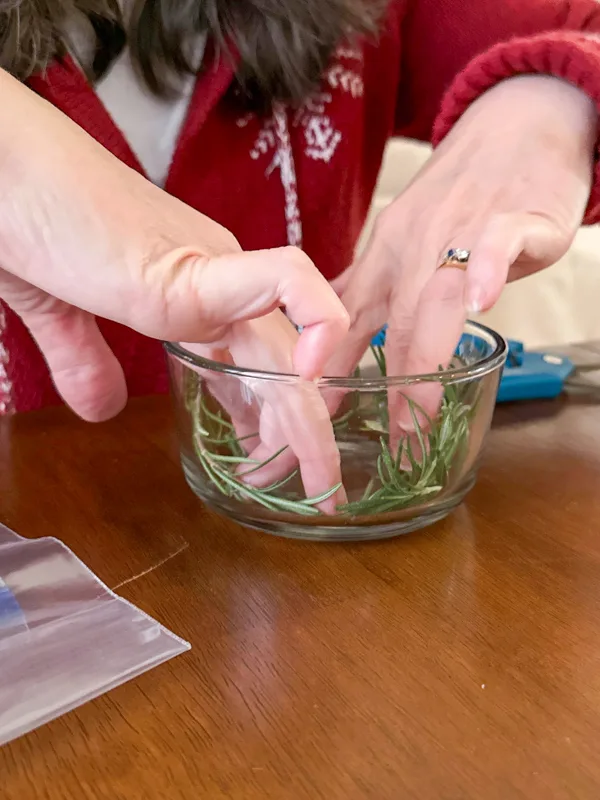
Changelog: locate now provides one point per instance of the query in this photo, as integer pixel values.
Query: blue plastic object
(379, 338)
(533, 376)
(526, 376)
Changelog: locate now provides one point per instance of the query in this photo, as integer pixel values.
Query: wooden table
(462, 662)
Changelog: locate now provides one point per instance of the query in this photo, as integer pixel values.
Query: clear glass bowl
(392, 487)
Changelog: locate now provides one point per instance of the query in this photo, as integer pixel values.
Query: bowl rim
(485, 366)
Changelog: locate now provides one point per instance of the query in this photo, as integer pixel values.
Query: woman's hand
(281, 424)
(510, 184)
(82, 235)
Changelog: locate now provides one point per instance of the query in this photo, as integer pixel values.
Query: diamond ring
(456, 258)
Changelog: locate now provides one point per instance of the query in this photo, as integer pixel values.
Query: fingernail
(474, 300)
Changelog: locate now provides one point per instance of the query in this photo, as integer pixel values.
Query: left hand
(510, 183)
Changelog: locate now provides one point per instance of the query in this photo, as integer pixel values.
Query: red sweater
(433, 59)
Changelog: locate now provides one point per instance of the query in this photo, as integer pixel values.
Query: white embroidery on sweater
(287, 168)
(321, 137)
(6, 406)
(349, 52)
(339, 77)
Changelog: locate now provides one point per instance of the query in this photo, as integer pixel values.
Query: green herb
(415, 473)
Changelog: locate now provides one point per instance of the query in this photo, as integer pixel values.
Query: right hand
(83, 235)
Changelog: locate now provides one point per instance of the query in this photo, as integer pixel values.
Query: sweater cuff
(571, 56)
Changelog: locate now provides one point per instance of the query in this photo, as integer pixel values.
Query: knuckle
(297, 261)
(446, 288)
(342, 315)
(388, 223)
(401, 323)
(366, 318)
(222, 242)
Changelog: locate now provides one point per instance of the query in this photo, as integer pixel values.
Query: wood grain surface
(461, 662)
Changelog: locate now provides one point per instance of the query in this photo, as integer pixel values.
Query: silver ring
(457, 258)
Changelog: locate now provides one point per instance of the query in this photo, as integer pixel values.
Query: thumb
(84, 370)
(506, 239)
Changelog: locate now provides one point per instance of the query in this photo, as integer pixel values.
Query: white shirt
(150, 124)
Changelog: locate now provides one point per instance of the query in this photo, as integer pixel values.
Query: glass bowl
(392, 487)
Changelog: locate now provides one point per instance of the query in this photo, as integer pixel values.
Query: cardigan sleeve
(455, 50)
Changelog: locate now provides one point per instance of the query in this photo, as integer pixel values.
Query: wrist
(539, 103)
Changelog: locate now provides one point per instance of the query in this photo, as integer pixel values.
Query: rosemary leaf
(396, 485)
(283, 482)
(262, 464)
(233, 459)
(217, 418)
(418, 433)
(314, 501)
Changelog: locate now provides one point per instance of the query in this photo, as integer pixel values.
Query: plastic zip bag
(65, 638)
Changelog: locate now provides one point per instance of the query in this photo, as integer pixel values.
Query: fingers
(228, 391)
(367, 307)
(85, 371)
(436, 330)
(369, 289)
(241, 287)
(315, 347)
(296, 415)
(340, 283)
(498, 248)
(450, 294)
(278, 463)
(295, 429)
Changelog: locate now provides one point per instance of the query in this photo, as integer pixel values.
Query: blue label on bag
(11, 613)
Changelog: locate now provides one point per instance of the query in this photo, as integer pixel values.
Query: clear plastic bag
(65, 638)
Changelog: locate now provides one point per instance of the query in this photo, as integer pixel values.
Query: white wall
(559, 306)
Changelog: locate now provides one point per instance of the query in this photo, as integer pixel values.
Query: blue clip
(516, 352)
(526, 376)
(379, 339)
(533, 376)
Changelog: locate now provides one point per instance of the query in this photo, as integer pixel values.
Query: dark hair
(284, 45)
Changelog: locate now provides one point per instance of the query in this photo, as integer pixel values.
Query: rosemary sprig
(417, 472)
(212, 430)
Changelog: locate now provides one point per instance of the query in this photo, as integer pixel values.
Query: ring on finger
(457, 258)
